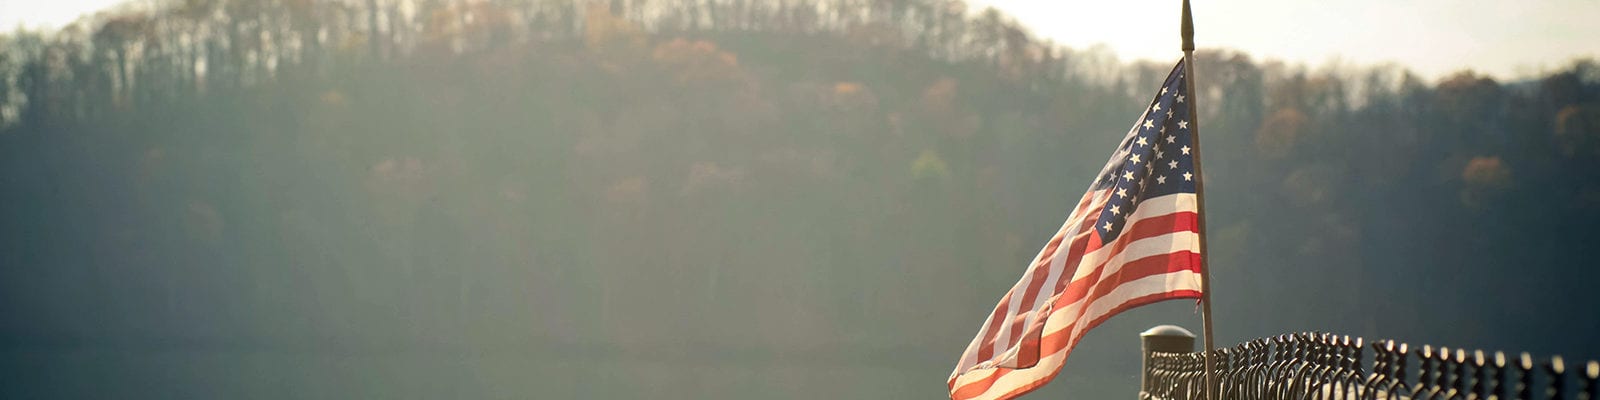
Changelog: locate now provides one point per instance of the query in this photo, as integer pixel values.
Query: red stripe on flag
(986, 346)
(1030, 356)
(1002, 310)
(1071, 291)
(1058, 342)
(1144, 267)
(1131, 271)
(1041, 272)
(1144, 228)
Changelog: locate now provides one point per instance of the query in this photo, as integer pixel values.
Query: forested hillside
(715, 198)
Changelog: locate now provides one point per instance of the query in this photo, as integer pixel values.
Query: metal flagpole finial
(1188, 28)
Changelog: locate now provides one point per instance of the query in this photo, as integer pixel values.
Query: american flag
(1132, 240)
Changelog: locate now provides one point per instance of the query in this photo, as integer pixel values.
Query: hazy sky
(1506, 38)
(46, 13)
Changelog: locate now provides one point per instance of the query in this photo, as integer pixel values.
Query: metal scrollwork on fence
(1315, 365)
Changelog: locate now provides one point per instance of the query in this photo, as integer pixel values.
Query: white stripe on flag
(1021, 377)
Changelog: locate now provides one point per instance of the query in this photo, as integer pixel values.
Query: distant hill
(714, 199)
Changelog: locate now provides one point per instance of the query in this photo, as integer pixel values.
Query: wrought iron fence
(1323, 366)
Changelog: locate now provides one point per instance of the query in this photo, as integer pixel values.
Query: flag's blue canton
(1154, 160)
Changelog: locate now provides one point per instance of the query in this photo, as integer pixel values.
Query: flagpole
(1199, 195)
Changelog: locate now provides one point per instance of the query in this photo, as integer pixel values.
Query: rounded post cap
(1167, 330)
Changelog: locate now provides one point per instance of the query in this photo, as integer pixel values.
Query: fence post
(1164, 339)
